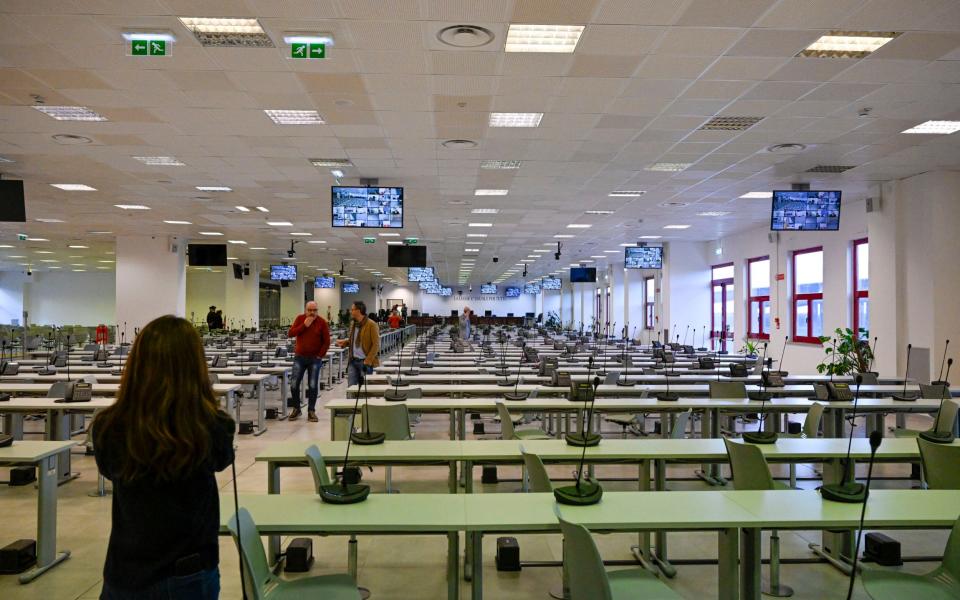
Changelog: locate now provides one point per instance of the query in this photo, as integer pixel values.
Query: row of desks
(478, 376)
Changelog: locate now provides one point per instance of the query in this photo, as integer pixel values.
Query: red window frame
(857, 292)
(648, 306)
(807, 298)
(716, 334)
(755, 330)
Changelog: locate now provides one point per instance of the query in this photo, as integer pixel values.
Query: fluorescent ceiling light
(474, 243)
(104, 261)
(77, 246)
(477, 235)
(74, 187)
(149, 36)
(49, 260)
(848, 44)
(159, 161)
(43, 252)
(301, 233)
(499, 119)
(220, 31)
(764, 195)
(490, 193)
(239, 242)
(5, 246)
(307, 38)
(331, 162)
(599, 256)
(935, 127)
(668, 167)
(471, 249)
(542, 38)
(627, 245)
(257, 248)
(294, 117)
(394, 243)
(611, 251)
(79, 270)
(213, 233)
(132, 206)
(599, 212)
(280, 223)
(713, 213)
(214, 188)
(70, 113)
(479, 224)
(242, 208)
(626, 193)
(562, 236)
(317, 242)
(586, 261)
(178, 222)
(579, 226)
(262, 209)
(676, 227)
(500, 164)
(389, 234)
(45, 220)
(650, 237)
(534, 255)
(15, 256)
(527, 261)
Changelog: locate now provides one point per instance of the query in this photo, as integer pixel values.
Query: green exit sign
(305, 50)
(411, 241)
(367, 240)
(148, 47)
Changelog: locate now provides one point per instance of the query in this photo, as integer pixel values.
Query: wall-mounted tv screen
(531, 288)
(488, 288)
(12, 206)
(643, 257)
(350, 288)
(367, 206)
(583, 274)
(511, 292)
(283, 272)
(445, 291)
(415, 274)
(207, 255)
(406, 256)
(426, 285)
(325, 283)
(551, 283)
(237, 271)
(805, 210)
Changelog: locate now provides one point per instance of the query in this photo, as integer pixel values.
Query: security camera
(29, 273)
(556, 255)
(495, 259)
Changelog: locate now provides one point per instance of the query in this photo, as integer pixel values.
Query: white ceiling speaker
(790, 148)
(465, 36)
(459, 144)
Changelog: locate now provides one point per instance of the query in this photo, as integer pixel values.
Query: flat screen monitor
(531, 288)
(488, 313)
(530, 315)
(488, 288)
(643, 257)
(511, 291)
(425, 285)
(551, 283)
(805, 210)
(237, 271)
(325, 283)
(407, 256)
(12, 206)
(445, 291)
(583, 274)
(367, 206)
(454, 313)
(350, 288)
(416, 274)
(207, 255)
(283, 272)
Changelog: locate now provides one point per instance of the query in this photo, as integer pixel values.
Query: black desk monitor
(488, 313)
(509, 314)
(453, 313)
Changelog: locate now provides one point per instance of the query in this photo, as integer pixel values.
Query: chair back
(946, 417)
(611, 378)
(750, 469)
(941, 465)
(728, 389)
(414, 392)
(393, 420)
(758, 366)
(583, 564)
(811, 425)
(506, 424)
(868, 379)
(318, 467)
(679, 430)
(934, 392)
(951, 555)
(539, 478)
(256, 571)
(57, 389)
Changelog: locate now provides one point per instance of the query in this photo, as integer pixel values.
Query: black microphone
(903, 396)
(783, 353)
(366, 437)
(875, 439)
(935, 435)
(940, 380)
(516, 395)
(759, 436)
(236, 511)
(582, 493)
(873, 354)
(625, 361)
(848, 490)
(344, 493)
(395, 395)
(761, 395)
(686, 331)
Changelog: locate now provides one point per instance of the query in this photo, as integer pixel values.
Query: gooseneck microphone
(783, 353)
(875, 439)
(848, 490)
(344, 493)
(902, 397)
(395, 395)
(935, 435)
(517, 395)
(760, 436)
(940, 380)
(582, 493)
(625, 361)
(365, 437)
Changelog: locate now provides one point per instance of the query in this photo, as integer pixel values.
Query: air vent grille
(830, 168)
(730, 123)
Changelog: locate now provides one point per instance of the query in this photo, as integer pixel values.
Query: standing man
(313, 341)
(363, 340)
(212, 318)
(394, 319)
(465, 323)
(329, 314)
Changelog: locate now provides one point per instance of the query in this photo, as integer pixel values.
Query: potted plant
(552, 322)
(846, 353)
(750, 348)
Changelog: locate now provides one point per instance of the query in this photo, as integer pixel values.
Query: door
(722, 329)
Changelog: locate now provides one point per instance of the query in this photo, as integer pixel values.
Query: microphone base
(241, 372)
(899, 398)
(336, 493)
(505, 383)
(400, 383)
(410, 373)
(760, 396)
(394, 396)
(946, 383)
(426, 365)
(701, 350)
(760, 437)
(116, 372)
(367, 438)
(583, 440)
(849, 493)
(587, 493)
(516, 396)
(937, 437)
(667, 397)
(626, 383)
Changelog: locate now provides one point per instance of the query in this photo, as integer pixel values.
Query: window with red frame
(758, 299)
(808, 295)
(861, 287)
(649, 301)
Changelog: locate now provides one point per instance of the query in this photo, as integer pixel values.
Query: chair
(811, 429)
(57, 389)
(751, 472)
(508, 432)
(728, 389)
(261, 584)
(941, 465)
(625, 420)
(680, 425)
(869, 379)
(941, 583)
(590, 581)
(536, 472)
(394, 421)
(946, 417)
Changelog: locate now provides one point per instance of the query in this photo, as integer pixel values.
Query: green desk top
(100, 389)
(32, 451)
(414, 451)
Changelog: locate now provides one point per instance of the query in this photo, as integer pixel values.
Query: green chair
(946, 417)
(394, 421)
(751, 472)
(811, 429)
(590, 581)
(625, 420)
(536, 472)
(261, 584)
(680, 424)
(942, 583)
(508, 432)
(941, 465)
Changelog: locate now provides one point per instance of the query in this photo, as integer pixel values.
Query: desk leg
(453, 424)
(58, 429)
(453, 565)
(728, 552)
(273, 487)
(641, 551)
(261, 408)
(284, 391)
(232, 401)
(835, 546)
(477, 587)
(750, 564)
(468, 547)
(463, 423)
(452, 477)
(710, 427)
(47, 556)
(660, 553)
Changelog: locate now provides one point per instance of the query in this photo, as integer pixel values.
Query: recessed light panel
(45, 220)
(485, 211)
(214, 188)
(542, 38)
(579, 226)
(219, 31)
(280, 223)
(935, 127)
(490, 192)
(758, 195)
(498, 119)
(211, 233)
(74, 187)
(178, 222)
(730, 123)
(70, 113)
(500, 164)
(848, 44)
(676, 227)
(713, 213)
(668, 167)
(294, 117)
(132, 206)
(331, 162)
(159, 161)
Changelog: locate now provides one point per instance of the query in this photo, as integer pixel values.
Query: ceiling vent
(68, 139)
(830, 168)
(789, 148)
(730, 123)
(459, 144)
(674, 204)
(500, 164)
(465, 36)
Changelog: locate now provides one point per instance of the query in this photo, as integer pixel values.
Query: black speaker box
(245, 427)
(299, 556)
(478, 428)
(882, 549)
(18, 556)
(489, 474)
(508, 554)
(22, 475)
(794, 428)
(351, 475)
(270, 413)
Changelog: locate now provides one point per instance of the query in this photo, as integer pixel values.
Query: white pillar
(291, 299)
(151, 279)
(242, 297)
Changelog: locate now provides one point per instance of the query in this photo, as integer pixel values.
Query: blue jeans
(354, 369)
(310, 366)
(203, 585)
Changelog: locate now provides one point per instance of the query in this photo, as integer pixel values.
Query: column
(242, 296)
(291, 299)
(151, 279)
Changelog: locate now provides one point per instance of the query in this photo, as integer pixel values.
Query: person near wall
(465, 323)
(394, 319)
(212, 318)
(160, 444)
(313, 341)
(363, 343)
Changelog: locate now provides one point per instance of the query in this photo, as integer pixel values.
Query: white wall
(68, 298)
(11, 297)
(685, 288)
(205, 289)
(242, 296)
(151, 279)
(292, 298)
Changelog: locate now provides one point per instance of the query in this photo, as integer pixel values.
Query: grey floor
(410, 567)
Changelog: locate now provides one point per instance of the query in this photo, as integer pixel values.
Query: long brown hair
(165, 407)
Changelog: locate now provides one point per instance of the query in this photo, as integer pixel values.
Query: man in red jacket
(313, 341)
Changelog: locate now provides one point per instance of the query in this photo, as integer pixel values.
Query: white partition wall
(292, 299)
(151, 279)
(243, 297)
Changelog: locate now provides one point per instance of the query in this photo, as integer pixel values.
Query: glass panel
(717, 309)
(863, 267)
(754, 317)
(760, 278)
(809, 272)
(651, 290)
(723, 272)
(766, 317)
(817, 317)
(801, 324)
(728, 317)
(863, 316)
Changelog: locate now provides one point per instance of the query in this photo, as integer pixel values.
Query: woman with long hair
(160, 444)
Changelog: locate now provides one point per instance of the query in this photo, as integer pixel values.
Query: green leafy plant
(846, 353)
(750, 347)
(553, 321)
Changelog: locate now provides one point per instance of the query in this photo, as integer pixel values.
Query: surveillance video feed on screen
(283, 272)
(326, 283)
(430, 287)
(445, 291)
(488, 288)
(805, 210)
(417, 274)
(351, 288)
(531, 288)
(551, 283)
(511, 292)
(643, 257)
(367, 207)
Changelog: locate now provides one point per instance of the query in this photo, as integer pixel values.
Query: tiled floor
(405, 567)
